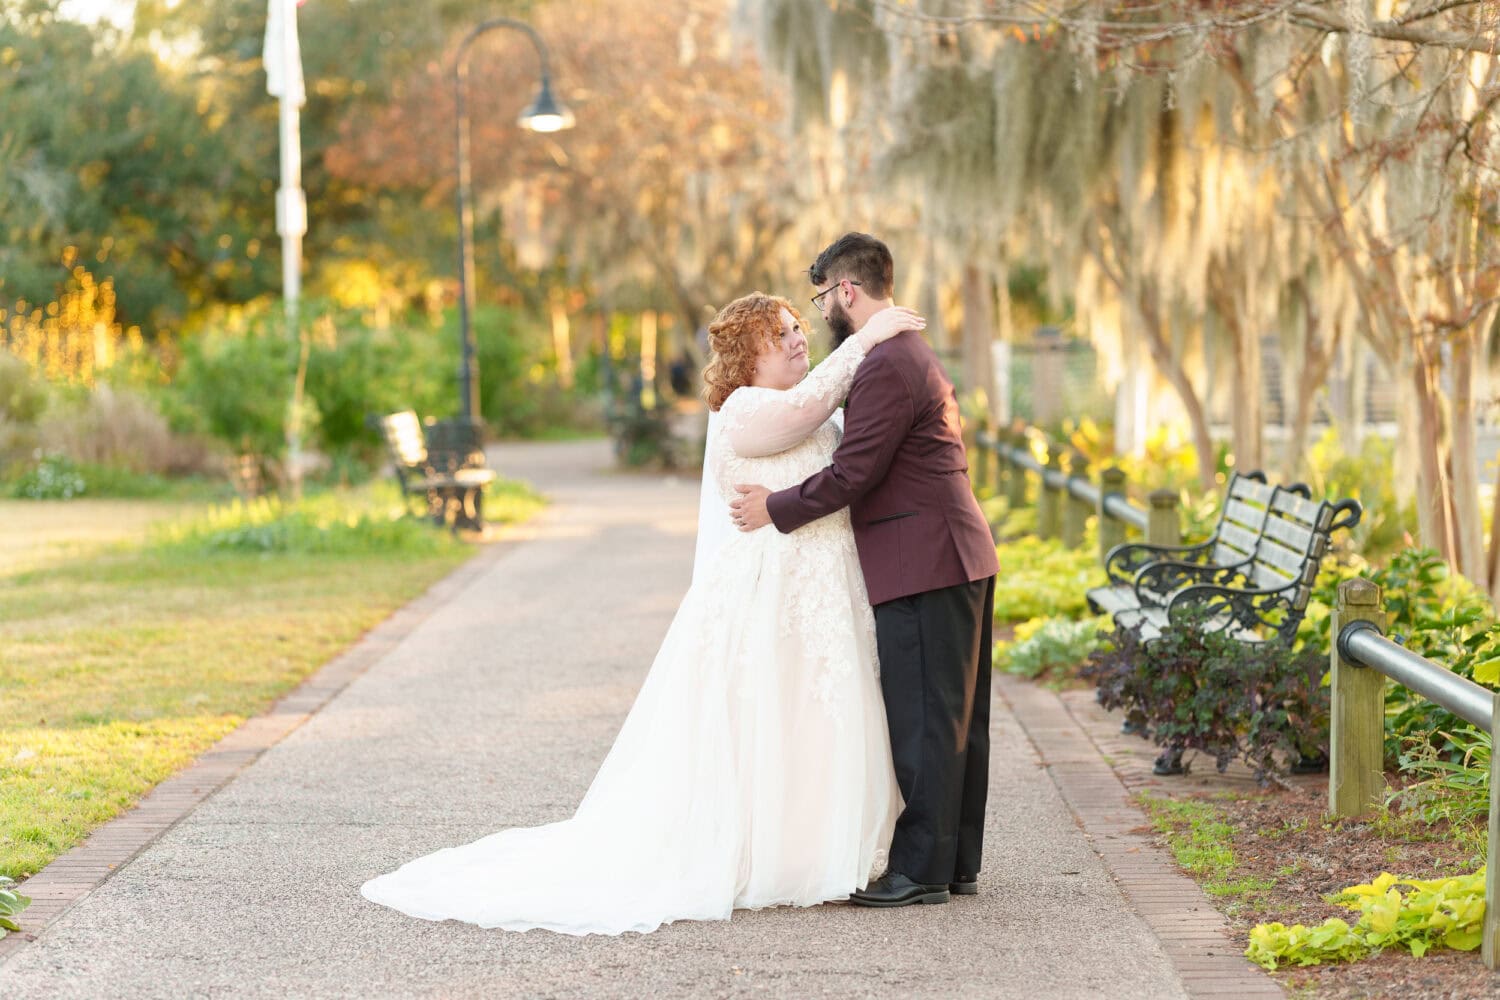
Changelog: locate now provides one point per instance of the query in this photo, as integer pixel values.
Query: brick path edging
(74, 874)
(1194, 935)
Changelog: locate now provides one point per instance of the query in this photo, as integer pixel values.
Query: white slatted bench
(1145, 575)
(1264, 599)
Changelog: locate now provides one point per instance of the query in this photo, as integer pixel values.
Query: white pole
(284, 55)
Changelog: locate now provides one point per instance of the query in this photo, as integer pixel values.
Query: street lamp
(545, 114)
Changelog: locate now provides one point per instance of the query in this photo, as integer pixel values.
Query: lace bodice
(776, 439)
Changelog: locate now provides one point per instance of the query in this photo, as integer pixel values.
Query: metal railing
(1362, 659)
(1067, 495)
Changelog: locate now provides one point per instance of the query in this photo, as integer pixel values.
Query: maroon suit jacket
(903, 473)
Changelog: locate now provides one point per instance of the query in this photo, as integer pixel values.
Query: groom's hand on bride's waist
(749, 511)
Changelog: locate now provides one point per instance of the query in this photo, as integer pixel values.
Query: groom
(929, 565)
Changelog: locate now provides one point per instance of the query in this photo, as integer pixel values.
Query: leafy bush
(23, 394)
(234, 380)
(120, 429)
(235, 385)
(1204, 690)
(1044, 646)
(1168, 461)
(1370, 478)
(519, 393)
(52, 477)
(1456, 790)
(1041, 578)
(1439, 913)
(23, 398)
(354, 371)
(1437, 614)
(644, 438)
(11, 903)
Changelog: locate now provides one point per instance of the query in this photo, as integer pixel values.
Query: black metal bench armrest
(1158, 581)
(1124, 561)
(1247, 607)
(1347, 513)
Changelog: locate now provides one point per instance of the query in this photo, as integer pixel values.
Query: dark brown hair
(859, 257)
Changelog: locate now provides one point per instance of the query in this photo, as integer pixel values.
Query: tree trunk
(978, 331)
(562, 344)
(1000, 408)
(1142, 298)
(1317, 361)
(1432, 481)
(1468, 527)
(1159, 343)
(1246, 420)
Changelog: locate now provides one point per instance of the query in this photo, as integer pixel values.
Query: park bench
(444, 470)
(1264, 598)
(1145, 575)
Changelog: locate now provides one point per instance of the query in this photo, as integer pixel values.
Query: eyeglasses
(817, 300)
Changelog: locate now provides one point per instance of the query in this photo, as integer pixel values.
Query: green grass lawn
(120, 663)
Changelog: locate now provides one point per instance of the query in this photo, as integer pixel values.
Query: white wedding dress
(754, 768)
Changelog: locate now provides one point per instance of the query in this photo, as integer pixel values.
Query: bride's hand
(887, 323)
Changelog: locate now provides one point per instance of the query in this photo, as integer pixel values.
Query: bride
(754, 768)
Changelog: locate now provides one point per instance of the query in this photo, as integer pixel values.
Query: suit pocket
(892, 517)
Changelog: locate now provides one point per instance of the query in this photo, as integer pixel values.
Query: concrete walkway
(494, 711)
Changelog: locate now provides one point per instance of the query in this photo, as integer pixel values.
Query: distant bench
(447, 475)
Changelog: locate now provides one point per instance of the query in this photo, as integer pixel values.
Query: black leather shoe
(893, 889)
(964, 885)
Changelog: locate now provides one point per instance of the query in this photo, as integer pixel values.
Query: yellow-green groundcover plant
(1446, 913)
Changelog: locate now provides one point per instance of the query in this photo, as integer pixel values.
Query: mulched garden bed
(1282, 836)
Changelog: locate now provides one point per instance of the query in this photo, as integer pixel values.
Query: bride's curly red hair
(735, 339)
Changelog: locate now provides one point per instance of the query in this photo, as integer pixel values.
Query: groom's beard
(840, 323)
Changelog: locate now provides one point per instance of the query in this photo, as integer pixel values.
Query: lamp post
(545, 114)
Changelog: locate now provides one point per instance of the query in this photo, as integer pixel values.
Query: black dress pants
(935, 652)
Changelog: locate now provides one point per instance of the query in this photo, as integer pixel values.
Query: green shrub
(106, 427)
(1438, 614)
(51, 477)
(23, 394)
(1370, 478)
(235, 386)
(1445, 787)
(359, 372)
(644, 438)
(519, 395)
(1045, 647)
(23, 398)
(1204, 690)
(235, 381)
(11, 904)
(1438, 913)
(1041, 578)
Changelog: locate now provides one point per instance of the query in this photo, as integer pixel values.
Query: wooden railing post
(1163, 525)
(1356, 750)
(1111, 531)
(981, 457)
(1075, 513)
(1489, 946)
(1015, 487)
(1049, 501)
